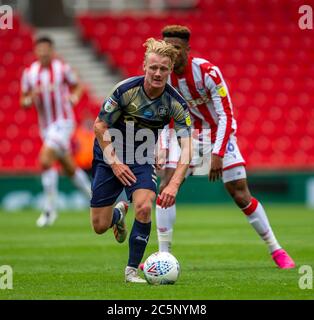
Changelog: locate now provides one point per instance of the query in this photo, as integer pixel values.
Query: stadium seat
(20, 142)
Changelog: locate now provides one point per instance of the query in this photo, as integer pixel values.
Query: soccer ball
(161, 268)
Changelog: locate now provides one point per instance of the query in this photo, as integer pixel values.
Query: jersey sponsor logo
(148, 113)
(199, 85)
(110, 105)
(199, 101)
(222, 91)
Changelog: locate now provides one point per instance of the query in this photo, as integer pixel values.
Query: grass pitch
(221, 257)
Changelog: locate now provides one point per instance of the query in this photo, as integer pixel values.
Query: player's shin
(137, 242)
(257, 217)
(49, 180)
(165, 219)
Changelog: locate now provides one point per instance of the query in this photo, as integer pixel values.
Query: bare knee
(45, 162)
(100, 220)
(100, 226)
(69, 171)
(68, 165)
(143, 212)
(239, 192)
(46, 159)
(241, 198)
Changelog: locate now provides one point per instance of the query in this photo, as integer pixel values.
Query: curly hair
(176, 31)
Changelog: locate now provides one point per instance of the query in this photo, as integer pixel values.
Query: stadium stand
(268, 67)
(20, 141)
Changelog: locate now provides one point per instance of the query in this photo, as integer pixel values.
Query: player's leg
(143, 194)
(77, 175)
(60, 136)
(165, 217)
(143, 202)
(234, 178)
(257, 217)
(105, 190)
(49, 178)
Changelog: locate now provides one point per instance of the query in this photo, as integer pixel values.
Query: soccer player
(202, 85)
(135, 110)
(53, 87)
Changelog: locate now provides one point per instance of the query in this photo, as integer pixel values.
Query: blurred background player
(53, 87)
(202, 85)
(144, 102)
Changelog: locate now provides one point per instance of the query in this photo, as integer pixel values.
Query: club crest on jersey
(110, 105)
(162, 111)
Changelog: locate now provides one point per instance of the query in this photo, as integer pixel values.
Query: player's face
(183, 51)
(44, 53)
(157, 69)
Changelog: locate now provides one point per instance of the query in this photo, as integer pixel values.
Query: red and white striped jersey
(52, 90)
(210, 106)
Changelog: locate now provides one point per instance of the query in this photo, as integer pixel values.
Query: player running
(132, 113)
(53, 87)
(202, 85)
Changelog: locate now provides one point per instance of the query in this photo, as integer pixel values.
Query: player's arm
(222, 104)
(162, 149)
(74, 83)
(26, 97)
(169, 193)
(109, 113)
(183, 129)
(76, 93)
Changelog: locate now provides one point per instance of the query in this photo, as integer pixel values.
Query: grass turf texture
(221, 257)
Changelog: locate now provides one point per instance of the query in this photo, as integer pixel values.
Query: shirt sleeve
(181, 116)
(111, 109)
(222, 103)
(25, 85)
(70, 76)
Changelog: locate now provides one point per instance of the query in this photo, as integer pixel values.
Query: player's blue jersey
(128, 109)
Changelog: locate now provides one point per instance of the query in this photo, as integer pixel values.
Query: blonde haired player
(53, 88)
(203, 87)
(138, 103)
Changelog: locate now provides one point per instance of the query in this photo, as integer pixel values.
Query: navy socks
(137, 242)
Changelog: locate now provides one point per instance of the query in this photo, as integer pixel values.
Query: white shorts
(58, 135)
(201, 159)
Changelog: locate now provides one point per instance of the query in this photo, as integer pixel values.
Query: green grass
(221, 257)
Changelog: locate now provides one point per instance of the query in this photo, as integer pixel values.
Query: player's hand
(123, 173)
(27, 102)
(168, 195)
(73, 99)
(215, 172)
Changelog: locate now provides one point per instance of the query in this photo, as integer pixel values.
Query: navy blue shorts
(106, 187)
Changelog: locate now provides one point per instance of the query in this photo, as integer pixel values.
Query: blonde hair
(161, 48)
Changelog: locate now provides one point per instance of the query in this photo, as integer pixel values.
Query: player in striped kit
(53, 87)
(202, 85)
